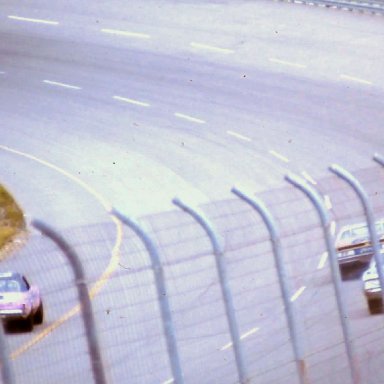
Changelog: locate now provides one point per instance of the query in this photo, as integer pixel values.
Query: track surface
(130, 106)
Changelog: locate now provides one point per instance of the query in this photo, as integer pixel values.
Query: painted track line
(327, 202)
(59, 84)
(356, 79)
(323, 260)
(242, 337)
(41, 21)
(117, 32)
(287, 63)
(189, 118)
(169, 381)
(211, 48)
(333, 228)
(298, 293)
(131, 101)
(279, 156)
(239, 136)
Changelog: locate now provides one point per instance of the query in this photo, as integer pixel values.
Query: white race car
(20, 301)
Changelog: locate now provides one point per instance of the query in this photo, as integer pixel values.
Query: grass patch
(12, 221)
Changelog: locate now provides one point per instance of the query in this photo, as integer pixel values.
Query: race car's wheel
(375, 306)
(39, 315)
(28, 324)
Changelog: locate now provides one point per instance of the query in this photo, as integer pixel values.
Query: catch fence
(246, 290)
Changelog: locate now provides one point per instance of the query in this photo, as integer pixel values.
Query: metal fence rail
(370, 6)
(231, 292)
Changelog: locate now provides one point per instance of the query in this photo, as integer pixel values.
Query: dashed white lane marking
(226, 346)
(239, 136)
(189, 118)
(309, 177)
(333, 228)
(323, 260)
(63, 85)
(327, 202)
(296, 295)
(41, 21)
(288, 63)
(242, 337)
(126, 33)
(168, 381)
(279, 156)
(211, 48)
(131, 101)
(356, 79)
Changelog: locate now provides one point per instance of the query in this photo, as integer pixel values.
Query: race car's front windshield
(12, 285)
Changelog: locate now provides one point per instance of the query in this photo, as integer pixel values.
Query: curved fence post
(227, 296)
(363, 197)
(317, 201)
(269, 221)
(162, 295)
(379, 159)
(85, 301)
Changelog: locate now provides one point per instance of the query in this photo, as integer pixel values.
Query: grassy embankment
(12, 223)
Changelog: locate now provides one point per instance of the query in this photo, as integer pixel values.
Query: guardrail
(376, 7)
(237, 291)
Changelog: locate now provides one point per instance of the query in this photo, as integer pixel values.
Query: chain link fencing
(227, 292)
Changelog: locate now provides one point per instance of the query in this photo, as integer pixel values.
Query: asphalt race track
(129, 104)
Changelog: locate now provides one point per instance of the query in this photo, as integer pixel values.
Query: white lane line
(333, 228)
(323, 260)
(131, 101)
(239, 136)
(2, 73)
(126, 33)
(327, 202)
(242, 337)
(58, 84)
(309, 177)
(170, 381)
(249, 333)
(211, 48)
(296, 295)
(189, 118)
(279, 156)
(226, 346)
(41, 21)
(356, 79)
(288, 63)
